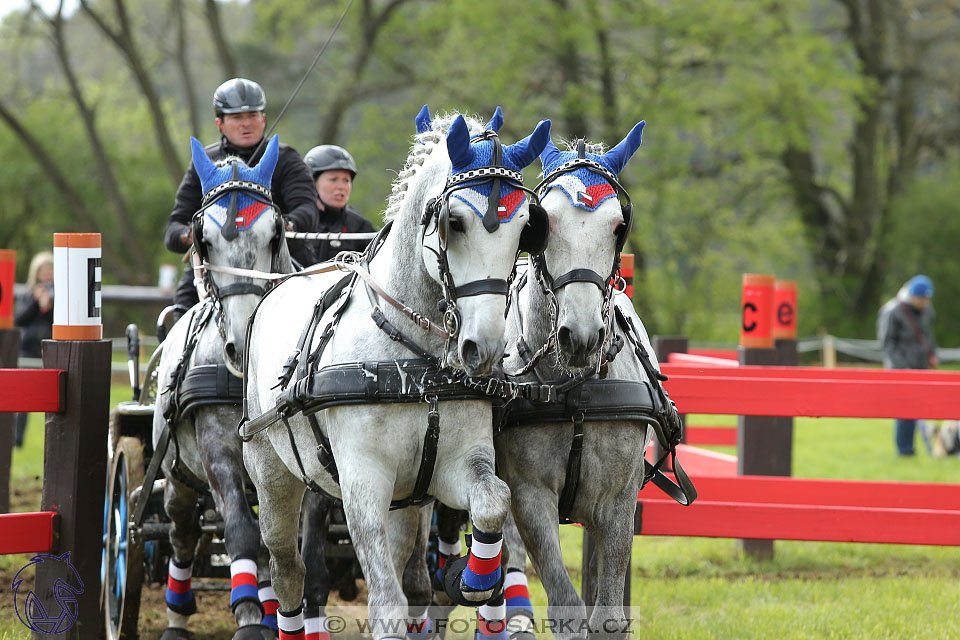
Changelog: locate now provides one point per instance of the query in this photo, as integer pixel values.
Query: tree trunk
(70, 195)
(227, 63)
(188, 88)
(122, 38)
(101, 160)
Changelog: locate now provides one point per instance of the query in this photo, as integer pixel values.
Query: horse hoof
(254, 632)
(460, 593)
(175, 633)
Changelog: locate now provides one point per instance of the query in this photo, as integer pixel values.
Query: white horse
(200, 391)
(456, 219)
(579, 454)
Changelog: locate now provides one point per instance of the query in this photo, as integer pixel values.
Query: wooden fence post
(9, 350)
(764, 443)
(74, 475)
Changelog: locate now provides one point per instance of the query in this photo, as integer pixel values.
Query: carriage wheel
(123, 559)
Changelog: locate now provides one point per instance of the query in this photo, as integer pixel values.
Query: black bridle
(229, 231)
(436, 218)
(550, 285)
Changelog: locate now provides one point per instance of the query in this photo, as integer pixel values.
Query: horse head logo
(29, 607)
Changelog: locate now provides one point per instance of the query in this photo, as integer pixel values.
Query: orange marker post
(76, 279)
(626, 271)
(757, 311)
(8, 267)
(785, 309)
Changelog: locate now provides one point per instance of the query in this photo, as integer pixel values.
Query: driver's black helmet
(239, 95)
(327, 157)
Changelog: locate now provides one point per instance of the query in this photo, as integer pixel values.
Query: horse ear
(202, 163)
(423, 120)
(526, 151)
(458, 144)
(268, 162)
(550, 154)
(617, 158)
(496, 121)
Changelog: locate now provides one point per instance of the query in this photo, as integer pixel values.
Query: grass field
(695, 588)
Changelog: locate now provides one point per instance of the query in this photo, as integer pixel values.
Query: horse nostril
(470, 355)
(230, 350)
(567, 339)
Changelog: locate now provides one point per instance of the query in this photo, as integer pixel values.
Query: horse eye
(456, 224)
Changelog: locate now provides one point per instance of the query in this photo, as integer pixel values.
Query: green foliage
(725, 87)
(924, 237)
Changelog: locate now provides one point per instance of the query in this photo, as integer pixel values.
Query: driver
(240, 108)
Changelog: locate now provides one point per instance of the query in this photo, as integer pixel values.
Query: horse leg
(613, 533)
(180, 503)
(478, 576)
(281, 496)
(366, 501)
(222, 460)
(519, 610)
(409, 529)
(316, 585)
(536, 513)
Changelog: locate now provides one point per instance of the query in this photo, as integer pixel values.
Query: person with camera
(34, 316)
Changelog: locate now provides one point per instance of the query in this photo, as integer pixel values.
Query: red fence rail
(28, 532)
(785, 508)
(775, 508)
(26, 390)
(814, 392)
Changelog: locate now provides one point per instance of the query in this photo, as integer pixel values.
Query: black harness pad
(610, 399)
(209, 384)
(377, 382)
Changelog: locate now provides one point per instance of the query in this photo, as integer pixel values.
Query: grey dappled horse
(436, 283)
(563, 326)
(200, 391)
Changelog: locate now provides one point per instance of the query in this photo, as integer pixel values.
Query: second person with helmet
(333, 172)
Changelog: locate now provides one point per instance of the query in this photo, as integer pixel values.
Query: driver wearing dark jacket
(240, 116)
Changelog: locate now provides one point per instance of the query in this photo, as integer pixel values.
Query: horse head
(237, 227)
(474, 215)
(590, 216)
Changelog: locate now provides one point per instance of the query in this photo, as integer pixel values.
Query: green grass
(703, 588)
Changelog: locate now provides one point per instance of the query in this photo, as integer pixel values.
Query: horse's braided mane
(423, 146)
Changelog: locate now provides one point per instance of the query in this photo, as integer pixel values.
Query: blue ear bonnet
(584, 187)
(479, 153)
(249, 208)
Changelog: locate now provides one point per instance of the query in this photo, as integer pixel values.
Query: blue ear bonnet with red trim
(585, 188)
(248, 208)
(466, 155)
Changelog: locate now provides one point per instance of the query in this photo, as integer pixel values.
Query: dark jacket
(906, 334)
(35, 326)
(293, 189)
(346, 220)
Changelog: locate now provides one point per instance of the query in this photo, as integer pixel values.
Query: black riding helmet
(239, 95)
(327, 157)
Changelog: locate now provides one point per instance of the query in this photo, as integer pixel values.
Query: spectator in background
(333, 172)
(905, 330)
(34, 316)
